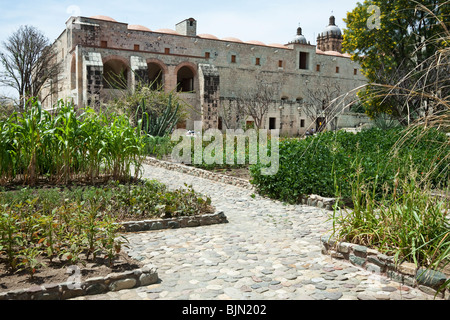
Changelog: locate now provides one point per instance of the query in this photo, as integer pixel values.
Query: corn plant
(63, 147)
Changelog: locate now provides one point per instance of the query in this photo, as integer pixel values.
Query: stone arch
(116, 72)
(157, 71)
(186, 74)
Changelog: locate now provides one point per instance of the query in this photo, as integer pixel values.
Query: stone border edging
(311, 200)
(178, 167)
(174, 223)
(115, 281)
(144, 276)
(406, 273)
(319, 201)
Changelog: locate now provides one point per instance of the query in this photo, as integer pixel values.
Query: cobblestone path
(268, 250)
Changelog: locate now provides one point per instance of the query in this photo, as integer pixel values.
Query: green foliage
(409, 33)
(158, 146)
(326, 163)
(161, 125)
(150, 98)
(71, 223)
(408, 221)
(62, 146)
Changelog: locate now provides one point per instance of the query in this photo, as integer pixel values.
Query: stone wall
(237, 63)
(113, 282)
(174, 223)
(429, 281)
(199, 172)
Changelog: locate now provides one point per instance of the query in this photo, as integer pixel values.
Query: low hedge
(327, 163)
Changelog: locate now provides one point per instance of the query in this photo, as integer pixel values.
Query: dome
(208, 36)
(232, 39)
(138, 27)
(256, 42)
(105, 18)
(299, 38)
(170, 31)
(332, 29)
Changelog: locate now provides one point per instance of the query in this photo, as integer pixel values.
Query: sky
(267, 21)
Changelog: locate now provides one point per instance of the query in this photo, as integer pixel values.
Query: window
(318, 68)
(337, 69)
(302, 123)
(272, 123)
(304, 60)
(136, 47)
(167, 50)
(104, 44)
(355, 72)
(233, 58)
(258, 61)
(207, 55)
(280, 63)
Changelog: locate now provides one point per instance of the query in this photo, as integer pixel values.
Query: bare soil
(242, 173)
(58, 271)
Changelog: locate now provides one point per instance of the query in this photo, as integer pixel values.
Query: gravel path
(268, 250)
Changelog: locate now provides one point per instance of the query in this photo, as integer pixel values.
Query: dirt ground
(59, 271)
(242, 173)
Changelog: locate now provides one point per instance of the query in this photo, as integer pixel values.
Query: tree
(29, 62)
(407, 34)
(256, 100)
(324, 100)
(232, 111)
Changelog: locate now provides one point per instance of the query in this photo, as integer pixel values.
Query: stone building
(209, 73)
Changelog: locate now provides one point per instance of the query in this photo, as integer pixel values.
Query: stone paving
(267, 251)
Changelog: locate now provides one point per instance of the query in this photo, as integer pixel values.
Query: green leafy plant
(160, 125)
(64, 146)
(320, 164)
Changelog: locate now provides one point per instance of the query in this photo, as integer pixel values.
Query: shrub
(325, 164)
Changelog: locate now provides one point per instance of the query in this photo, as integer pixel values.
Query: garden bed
(47, 231)
(59, 271)
(427, 280)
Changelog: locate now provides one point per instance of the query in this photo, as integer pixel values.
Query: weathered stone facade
(205, 70)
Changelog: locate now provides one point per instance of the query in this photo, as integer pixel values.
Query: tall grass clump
(411, 218)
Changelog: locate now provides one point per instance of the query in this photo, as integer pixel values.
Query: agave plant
(160, 126)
